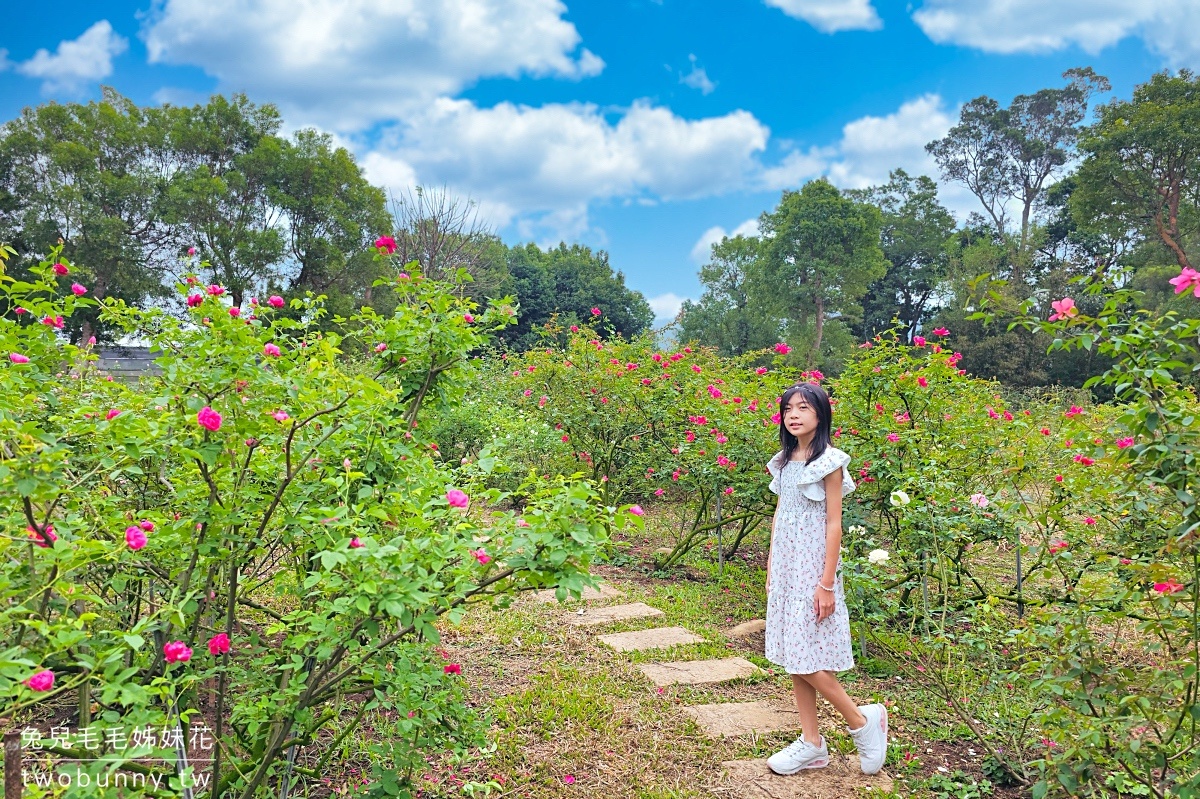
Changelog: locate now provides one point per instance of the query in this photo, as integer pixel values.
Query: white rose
(877, 556)
(899, 498)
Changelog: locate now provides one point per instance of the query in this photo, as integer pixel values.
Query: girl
(808, 628)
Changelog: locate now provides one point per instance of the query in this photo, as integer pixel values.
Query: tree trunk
(819, 330)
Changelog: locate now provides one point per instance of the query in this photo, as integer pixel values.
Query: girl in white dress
(808, 627)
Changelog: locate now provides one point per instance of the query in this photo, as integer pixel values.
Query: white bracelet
(827, 588)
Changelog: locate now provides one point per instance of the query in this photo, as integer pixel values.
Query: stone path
(746, 779)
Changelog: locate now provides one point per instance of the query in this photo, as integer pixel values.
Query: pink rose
(918, 341)
(195, 300)
(355, 542)
(218, 644)
(45, 538)
(452, 668)
(1063, 309)
(42, 681)
(235, 312)
(209, 419)
(275, 301)
(922, 382)
(61, 270)
(191, 250)
(280, 416)
(1057, 546)
(177, 652)
(1169, 587)
(941, 331)
(215, 290)
(19, 310)
(17, 357)
(112, 414)
(271, 350)
(893, 437)
(380, 347)
(386, 243)
(1188, 279)
(636, 510)
(480, 555)
(595, 312)
(135, 537)
(78, 290)
(574, 328)
(146, 525)
(782, 349)
(1122, 443)
(457, 499)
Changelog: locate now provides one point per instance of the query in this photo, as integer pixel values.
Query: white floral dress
(795, 640)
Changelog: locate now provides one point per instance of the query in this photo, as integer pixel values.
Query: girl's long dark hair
(818, 400)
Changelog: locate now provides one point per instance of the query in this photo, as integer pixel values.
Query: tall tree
(219, 199)
(1142, 165)
(822, 253)
(88, 175)
(915, 233)
(570, 281)
(1007, 157)
(331, 215)
(734, 313)
(443, 233)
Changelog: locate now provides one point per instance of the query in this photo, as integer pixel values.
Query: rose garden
(318, 553)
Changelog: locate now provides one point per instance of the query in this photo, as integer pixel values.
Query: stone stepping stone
(698, 672)
(604, 592)
(729, 719)
(597, 616)
(752, 779)
(657, 638)
(747, 628)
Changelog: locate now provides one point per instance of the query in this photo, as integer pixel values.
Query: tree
(331, 216)
(1008, 156)
(442, 234)
(916, 229)
(1142, 165)
(822, 252)
(570, 281)
(219, 200)
(88, 176)
(733, 313)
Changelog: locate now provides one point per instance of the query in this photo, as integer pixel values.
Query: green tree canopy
(822, 253)
(570, 280)
(734, 314)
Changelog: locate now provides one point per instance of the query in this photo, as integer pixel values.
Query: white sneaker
(798, 755)
(871, 738)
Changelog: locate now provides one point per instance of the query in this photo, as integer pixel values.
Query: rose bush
(258, 537)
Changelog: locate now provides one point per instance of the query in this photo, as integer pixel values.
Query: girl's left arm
(833, 525)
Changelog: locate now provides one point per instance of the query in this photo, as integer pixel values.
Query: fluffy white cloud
(348, 63)
(76, 62)
(1021, 26)
(702, 249)
(546, 164)
(697, 78)
(870, 147)
(665, 306)
(830, 16)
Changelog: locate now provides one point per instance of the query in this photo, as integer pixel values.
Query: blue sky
(644, 127)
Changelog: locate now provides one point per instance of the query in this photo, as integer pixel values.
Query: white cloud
(545, 165)
(702, 249)
(666, 306)
(697, 78)
(76, 62)
(830, 16)
(870, 147)
(348, 63)
(1024, 26)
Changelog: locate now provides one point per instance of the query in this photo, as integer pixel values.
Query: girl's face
(799, 417)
